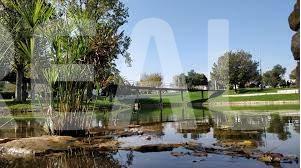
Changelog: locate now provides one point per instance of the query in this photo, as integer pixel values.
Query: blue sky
(257, 26)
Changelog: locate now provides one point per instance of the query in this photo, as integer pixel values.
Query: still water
(272, 131)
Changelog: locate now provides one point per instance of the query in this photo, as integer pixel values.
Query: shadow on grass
(216, 94)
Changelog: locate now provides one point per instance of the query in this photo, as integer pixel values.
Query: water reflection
(20, 128)
(186, 122)
(276, 132)
(201, 120)
(278, 126)
(209, 127)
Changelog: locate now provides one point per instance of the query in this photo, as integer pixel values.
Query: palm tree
(23, 18)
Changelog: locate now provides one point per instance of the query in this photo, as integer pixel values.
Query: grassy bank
(295, 107)
(176, 98)
(197, 97)
(169, 98)
(278, 97)
(256, 90)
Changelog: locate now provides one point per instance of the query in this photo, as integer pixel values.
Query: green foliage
(235, 69)
(192, 79)
(81, 32)
(274, 77)
(195, 79)
(92, 36)
(22, 18)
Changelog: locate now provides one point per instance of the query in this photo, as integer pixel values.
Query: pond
(277, 132)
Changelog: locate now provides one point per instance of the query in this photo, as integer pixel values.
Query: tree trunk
(24, 89)
(235, 88)
(33, 95)
(19, 83)
(20, 95)
(90, 88)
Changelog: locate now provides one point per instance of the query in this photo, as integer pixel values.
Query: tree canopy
(22, 18)
(235, 68)
(275, 76)
(192, 79)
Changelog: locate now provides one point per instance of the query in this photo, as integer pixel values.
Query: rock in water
(177, 154)
(271, 157)
(200, 154)
(148, 138)
(265, 158)
(26, 147)
(154, 147)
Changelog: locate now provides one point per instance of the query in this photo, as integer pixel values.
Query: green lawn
(257, 108)
(175, 97)
(255, 90)
(196, 97)
(276, 97)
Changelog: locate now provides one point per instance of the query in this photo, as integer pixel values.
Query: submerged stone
(271, 157)
(200, 154)
(177, 154)
(154, 147)
(148, 138)
(237, 144)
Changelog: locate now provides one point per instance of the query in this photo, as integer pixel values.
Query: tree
(275, 76)
(100, 50)
(235, 69)
(72, 45)
(196, 79)
(151, 80)
(192, 79)
(22, 18)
